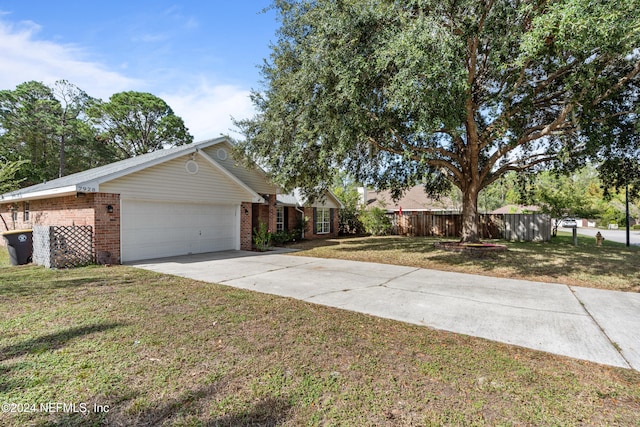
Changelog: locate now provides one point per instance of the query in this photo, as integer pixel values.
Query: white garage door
(160, 229)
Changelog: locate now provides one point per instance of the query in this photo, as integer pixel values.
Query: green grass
(612, 266)
(167, 351)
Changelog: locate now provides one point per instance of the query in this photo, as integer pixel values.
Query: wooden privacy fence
(525, 227)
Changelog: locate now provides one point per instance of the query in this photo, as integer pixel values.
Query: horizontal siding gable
(327, 202)
(255, 179)
(170, 181)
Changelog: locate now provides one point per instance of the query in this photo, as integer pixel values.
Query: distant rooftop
(414, 199)
(516, 209)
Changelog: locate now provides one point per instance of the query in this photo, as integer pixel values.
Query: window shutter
(332, 213)
(315, 221)
(286, 218)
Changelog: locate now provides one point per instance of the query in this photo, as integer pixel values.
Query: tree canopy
(138, 123)
(28, 120)
(48, 132)
(7, 175)
(442, 91)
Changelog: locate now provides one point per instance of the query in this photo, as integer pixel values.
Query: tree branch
(634, 72)
(494, 176)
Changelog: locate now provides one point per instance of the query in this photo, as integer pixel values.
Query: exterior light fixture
(109, 209)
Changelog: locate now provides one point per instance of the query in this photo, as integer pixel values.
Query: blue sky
(201, 57)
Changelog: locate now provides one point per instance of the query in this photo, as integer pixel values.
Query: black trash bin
(20, 246)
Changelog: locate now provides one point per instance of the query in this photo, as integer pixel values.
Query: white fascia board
(255, 197)
(44, 194)
(338, 202)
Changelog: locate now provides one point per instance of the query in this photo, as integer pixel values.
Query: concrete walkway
(589, 324)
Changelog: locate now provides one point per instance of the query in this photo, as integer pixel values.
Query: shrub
(349, 222)
(281, 237)
(349, 215)
(262, 237)
(376, 221)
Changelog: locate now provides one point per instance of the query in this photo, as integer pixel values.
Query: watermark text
(53, 408)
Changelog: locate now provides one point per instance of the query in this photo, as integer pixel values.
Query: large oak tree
(441, 91)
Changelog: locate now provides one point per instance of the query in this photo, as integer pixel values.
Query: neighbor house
(188, 199)
(412, 200)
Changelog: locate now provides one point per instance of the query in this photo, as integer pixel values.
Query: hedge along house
(188, 199)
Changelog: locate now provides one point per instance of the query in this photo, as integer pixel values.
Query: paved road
(589, 324)
(619, 236)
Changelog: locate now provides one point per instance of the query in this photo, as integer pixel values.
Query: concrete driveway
(589, 324)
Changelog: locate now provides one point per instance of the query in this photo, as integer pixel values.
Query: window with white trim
(279, 218)
(26, 211)
(323, 220)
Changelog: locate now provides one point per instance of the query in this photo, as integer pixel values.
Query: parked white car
(568, 223)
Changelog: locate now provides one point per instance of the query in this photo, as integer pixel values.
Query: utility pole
(626, 202)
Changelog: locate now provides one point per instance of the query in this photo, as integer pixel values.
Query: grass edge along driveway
(612, 266)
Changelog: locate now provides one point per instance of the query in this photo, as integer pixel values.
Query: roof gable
(189, 178)
(89, 181)
(255, 178)
(297, 198)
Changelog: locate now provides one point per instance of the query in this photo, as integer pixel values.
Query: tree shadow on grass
(192, 403)
(19, 283)
(369, 243)
(52, 341)
(528, 260)
(269, 412)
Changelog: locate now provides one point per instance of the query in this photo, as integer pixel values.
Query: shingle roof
(516, 209)
(113, 170)
(413, 199)
(92, 178)
(296, 198)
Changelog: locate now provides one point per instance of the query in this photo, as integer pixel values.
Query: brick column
(308, 232)
(246, 228)
(107, 227)
(272, 213)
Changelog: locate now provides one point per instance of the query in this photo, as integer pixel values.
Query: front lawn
(126, 347)
(612, 266)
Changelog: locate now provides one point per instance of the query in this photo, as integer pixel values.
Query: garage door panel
(158, 229)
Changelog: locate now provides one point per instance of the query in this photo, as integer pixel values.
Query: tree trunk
(61, 158)
(470, 233)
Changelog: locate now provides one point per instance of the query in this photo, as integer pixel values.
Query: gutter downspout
(303, 224)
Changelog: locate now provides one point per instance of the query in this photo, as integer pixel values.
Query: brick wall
(266, 213)
(308, 233)
(293, 218)
(87, 209)
(246, 236)
(69, 210)
(107, 228)
(272, 212)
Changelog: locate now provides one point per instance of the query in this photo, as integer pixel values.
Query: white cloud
(25, 58)
(151, 38)
(207, 109)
